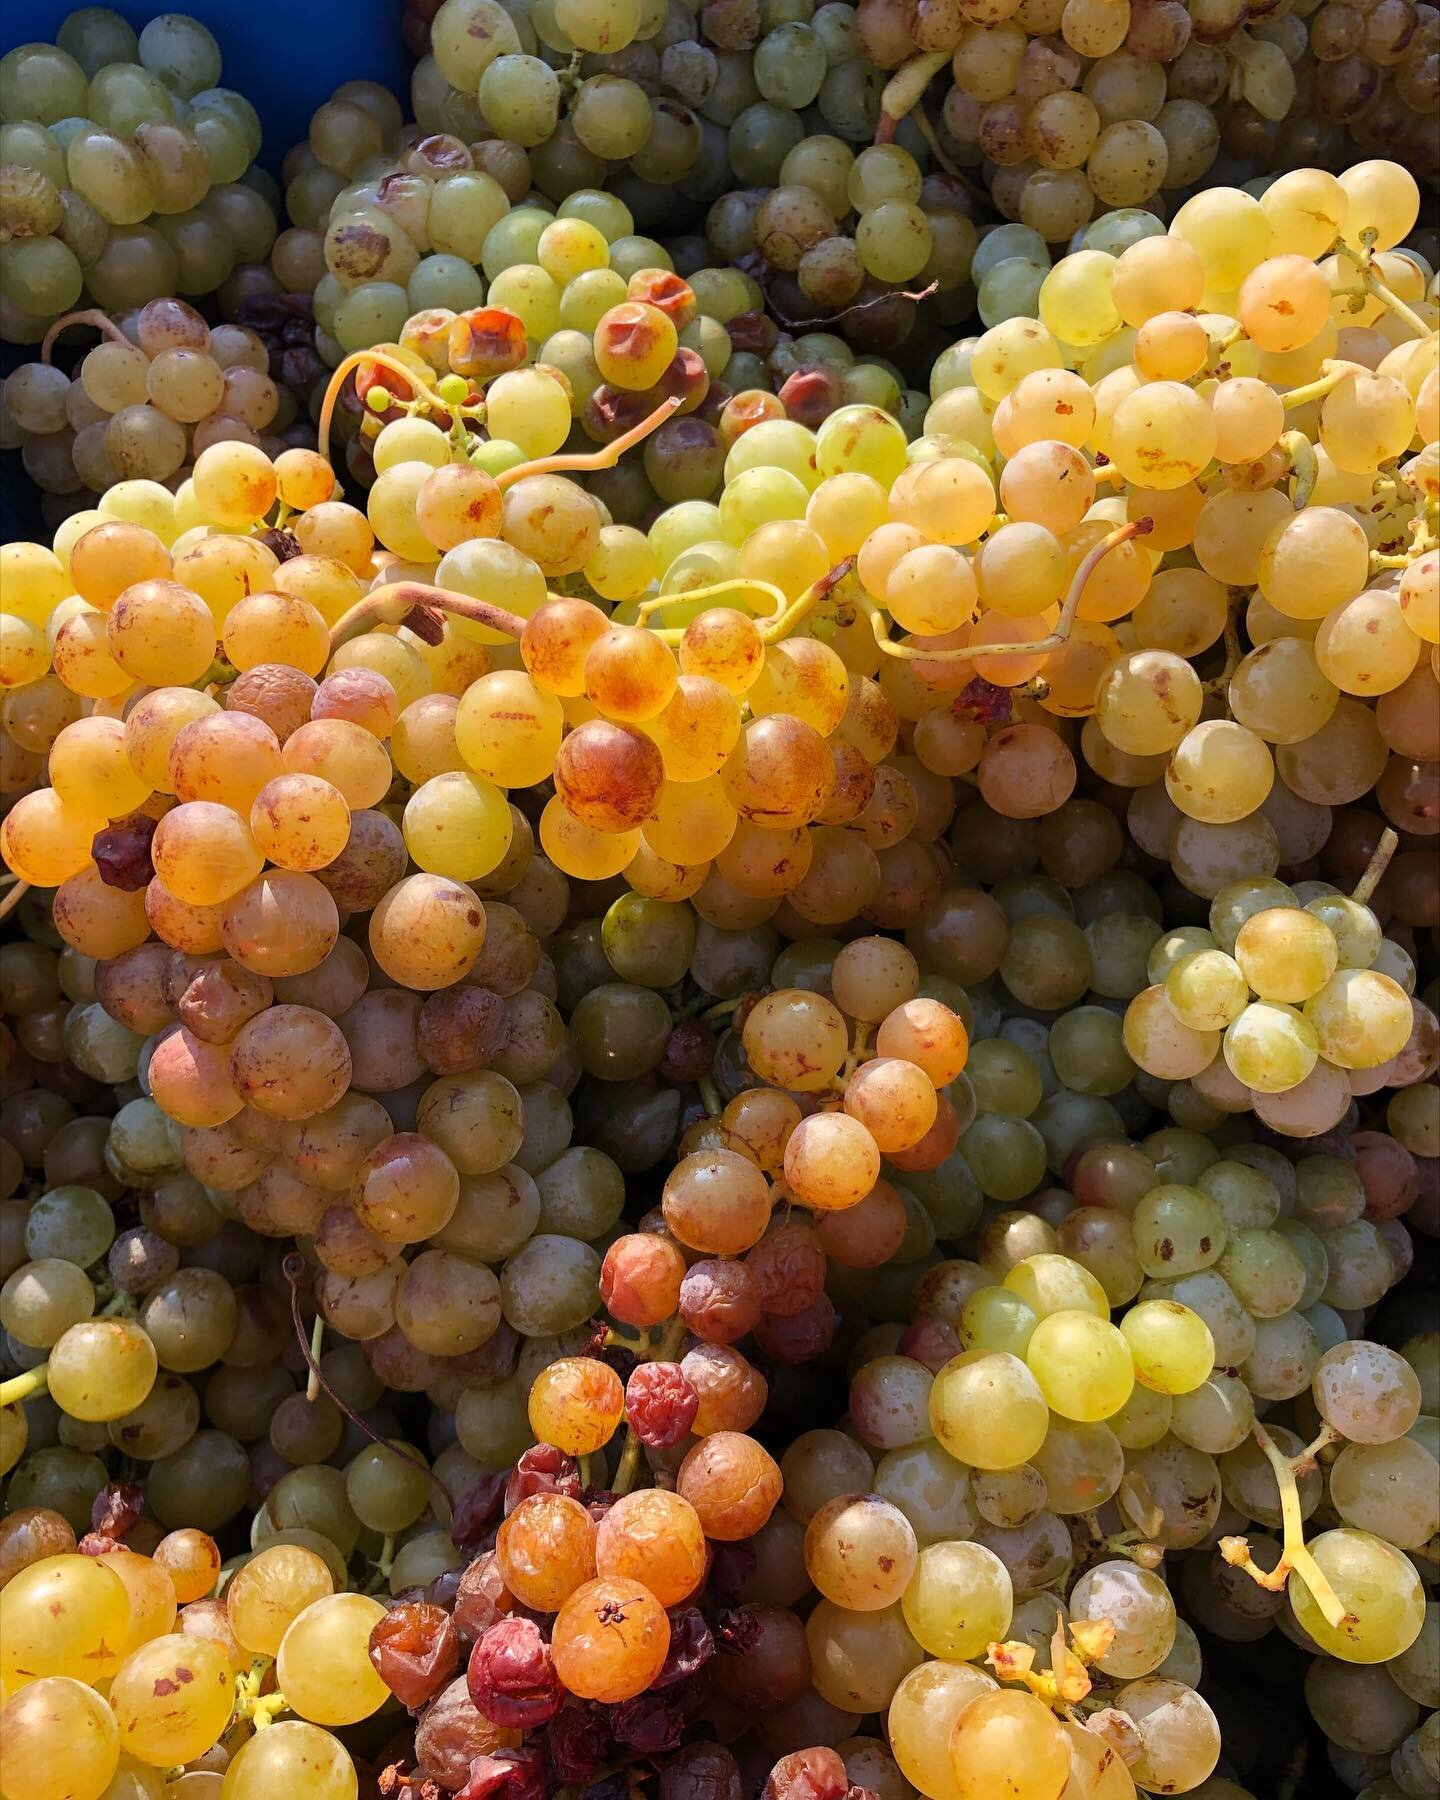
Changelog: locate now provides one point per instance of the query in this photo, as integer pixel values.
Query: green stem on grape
(1220, 684)
(1376, 867)
(1381, 290)
(670, 1341)
(1294, 1554)
(266, 1708)
(784, 617)
(87, 316)
(247, 1686)
(722, 1009)
(317, 1338)
(904, 90)
(293, 1269)
(1057, 639)
(357, 359)
(735, 584)
(1378, 562)
(710, 1096)
(26, 1386)
(943, 160)
(595, 459)
(1330, 377)
(1306, 1459)
(799, 610)
(1304, 467)
(629, 1465)
(396, 600)
(14, 897)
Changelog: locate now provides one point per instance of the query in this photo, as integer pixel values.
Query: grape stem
(1057, 639)
(1381, 290)
(799, 610)
(1220, 684)
(710, 1096)
(26, 1386)
(1294, 1555)
(605, 458)
(293, 1269)
(737, 584)
(88, 316)
(317, 1338)
(15, 896)
(1304, 467)
(664, 1351)
(1331, 375)
(780, 623)
(831, 320)
(356, 360)
(944, 161)
(393, 604)
(1307, 1458)
(905, 89)
(1376, 867)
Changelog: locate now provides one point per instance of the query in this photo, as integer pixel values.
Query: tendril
(88, 316)
(1064, 625)
(293, 1268)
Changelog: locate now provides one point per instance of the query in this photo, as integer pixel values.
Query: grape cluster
(159, 388)
(737, 1089)
(1068, 109)
(125, 170)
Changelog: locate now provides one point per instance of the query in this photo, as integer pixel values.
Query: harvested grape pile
(719, 1029)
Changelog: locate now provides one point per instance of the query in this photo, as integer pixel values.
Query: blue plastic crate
(284, 58)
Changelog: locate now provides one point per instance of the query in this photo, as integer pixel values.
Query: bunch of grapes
(159, 388)
(125, 171)
(604, 1133)
(671, 100)
(1068, 109)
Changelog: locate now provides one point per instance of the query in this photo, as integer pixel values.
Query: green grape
(996, 1318)
(1051, 1284)
(1178, 1231)
(1138, 1604)
(1240, 901)
(1172, 1347)
(959, 1600)
(1378, 1587)
(1389, 1490)
(1082, 1364)
(41, 82)
(1215, 1417)
(1005, 1156)
(930, 1488)
(1264, 1272)
(1143, 1420)
(987, 1410)
(1082, 1465)
(790, 65)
